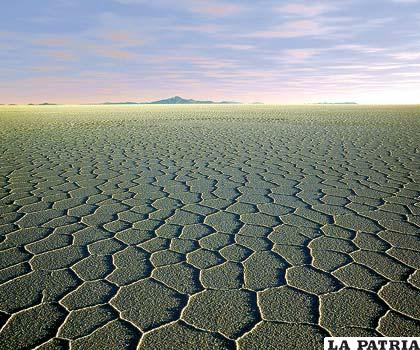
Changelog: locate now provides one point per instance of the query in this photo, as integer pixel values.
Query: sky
(286, 52)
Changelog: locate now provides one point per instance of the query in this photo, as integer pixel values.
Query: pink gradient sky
(268, 51)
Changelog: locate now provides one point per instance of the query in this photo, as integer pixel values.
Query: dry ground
(207, 227)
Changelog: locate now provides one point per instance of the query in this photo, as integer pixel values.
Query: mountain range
(176, 100)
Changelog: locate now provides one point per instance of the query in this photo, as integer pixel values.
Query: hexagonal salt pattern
(223, 227)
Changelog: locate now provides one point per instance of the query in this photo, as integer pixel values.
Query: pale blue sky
(80, 51)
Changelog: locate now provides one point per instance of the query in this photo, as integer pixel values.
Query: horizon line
(47, 104)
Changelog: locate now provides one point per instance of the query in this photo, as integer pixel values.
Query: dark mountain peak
(181, 100)
(175, 100)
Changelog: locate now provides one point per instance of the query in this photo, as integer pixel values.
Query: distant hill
(176, 100)
(179, 100)
(42, 104)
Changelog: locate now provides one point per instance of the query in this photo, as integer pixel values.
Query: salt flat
(207, 227)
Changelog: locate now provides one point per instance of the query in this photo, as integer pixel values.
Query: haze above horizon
(295, 52)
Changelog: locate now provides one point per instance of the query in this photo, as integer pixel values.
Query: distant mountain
(176, 100)
(42, 104)
(179, 100)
